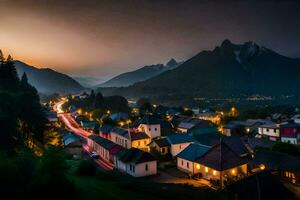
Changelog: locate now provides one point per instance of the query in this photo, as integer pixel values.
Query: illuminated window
(198, 166)
(214, 172)
(206, 169)
(262, 167)
(233, 171)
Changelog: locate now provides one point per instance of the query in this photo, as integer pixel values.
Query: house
(241, 127)
(104, 131)
(270, 131)
(224, 162)
(286, 166)
(118, 116)
(128, 139)
(137, 163)
(160, 145)
(290, 133)
(72, 144)
(89, 125)
(179, 142)
(150, 125)
(296, 118)
(263, 185)
(186, 158)
(187, 123)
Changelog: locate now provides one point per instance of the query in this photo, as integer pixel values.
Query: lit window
(262, 167)
(214, 172)
(233, 171)
(198, 166)
(206, 169)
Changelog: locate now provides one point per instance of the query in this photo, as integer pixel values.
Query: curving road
(75, 128)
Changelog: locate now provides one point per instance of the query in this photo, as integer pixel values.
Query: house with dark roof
(223, 163)
(72, 144)
(290, 133)
(287, 167)
(137, 163)
(270, 131)
(160, 145)
(104, 131)
(128, 138)
(179, 142)
(150, 124)
(186, 158)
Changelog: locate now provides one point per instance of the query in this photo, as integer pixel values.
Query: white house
(271, 131)
(151, 126)
(137, 163)
(179, 142)
(186, 158)
(129, 139)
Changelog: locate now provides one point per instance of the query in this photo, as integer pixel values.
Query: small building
(137, 163)
(150, 125)
(128, 139)
(179, 142)
(72, 145)
(286, 166)
(160, 145)
(186, 158)
(270, 131)
(89, 125)
(290, 133)
(184, 127)
(223, 164)
(104, 131)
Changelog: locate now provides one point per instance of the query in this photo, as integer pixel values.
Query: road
(75, 128)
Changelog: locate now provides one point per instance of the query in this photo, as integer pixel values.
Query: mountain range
(141, 74)
(48, 81)
(226, 71)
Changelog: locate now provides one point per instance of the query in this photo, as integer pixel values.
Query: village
(173, 148)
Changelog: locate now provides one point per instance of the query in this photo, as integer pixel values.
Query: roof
(150, 120)
(136, 156)
(69, 139)
(86, 124)
(106, 144)
(208, 139)
(203, 130)
(162, 142)
(120, 131)
(193, 152)
(138, 135)
(271, 126)
(276, 161)
(221, 157)
(180, 138)
(186, 125)
(290, 125)
(105, 129)
(236, 144)
(118, 116)
(260, 142)
(258, 187)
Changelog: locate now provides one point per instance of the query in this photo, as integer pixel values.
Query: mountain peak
(226, 43)
(172, 63)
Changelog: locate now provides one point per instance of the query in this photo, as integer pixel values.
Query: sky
(107, 37)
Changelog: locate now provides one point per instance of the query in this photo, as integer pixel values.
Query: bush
(86, 168)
